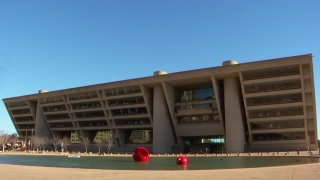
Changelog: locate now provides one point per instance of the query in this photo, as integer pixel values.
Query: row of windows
(129, 111)
(26, 126)
(281, 136)
(123, 90)
(274, 99)
(126, 101)
(94, 137)
(24, 119)
(193, 94)
(93, 123)
(53, 99)
(20, 111)
(86, 105)
(17, 104)
(54, 108)
(194, 106)
(271, 72)
(138, 136)
(277, 124)
(276, 112)
(57, 116)
(197, 119)
(27, 133)
(92, 114)
(61, 125)
(83, 95)
(273, 86)
(129, 122)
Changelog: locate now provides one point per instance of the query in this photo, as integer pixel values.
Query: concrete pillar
(41, 127)
(234, 123)
(163, 137)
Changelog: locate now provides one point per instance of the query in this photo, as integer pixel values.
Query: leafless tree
(85, 142)
(108, 141)
(13, 141)
(4, 139)
(100, 144)
(38, 142)
(44, 141)
(64, 143)
(56, 141)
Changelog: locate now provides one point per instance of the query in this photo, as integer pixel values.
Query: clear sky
(61, 44)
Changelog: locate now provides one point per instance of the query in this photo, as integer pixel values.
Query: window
(139, 136)
(274, 99)
(281, 136)
(271, 72)
(278, 112)
(283, 124)
(193, 94)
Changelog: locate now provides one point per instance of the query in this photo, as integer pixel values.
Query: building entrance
(203, 144)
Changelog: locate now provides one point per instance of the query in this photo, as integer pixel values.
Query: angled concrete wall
(41, 127)
(235, 135)
(163, 137)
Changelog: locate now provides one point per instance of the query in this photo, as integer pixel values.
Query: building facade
(265, 105)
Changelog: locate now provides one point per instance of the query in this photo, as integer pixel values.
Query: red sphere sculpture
(141, 154)
(182, 160)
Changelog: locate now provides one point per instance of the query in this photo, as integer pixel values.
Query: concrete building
(266, 105)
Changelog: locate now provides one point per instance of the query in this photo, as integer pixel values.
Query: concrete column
(41, 127)
(235, 134)
(163, 137)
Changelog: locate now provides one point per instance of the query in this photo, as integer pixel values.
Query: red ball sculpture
(182, 160)
(141, 154)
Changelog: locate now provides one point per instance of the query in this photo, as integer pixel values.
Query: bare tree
(100, 144)
(64, 143)
(56, 141)
(85, 142)
(13, 140)
(43, 142)
(108, 141)
(4, 139)
(38, 142)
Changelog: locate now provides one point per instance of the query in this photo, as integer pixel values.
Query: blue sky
(68, 43)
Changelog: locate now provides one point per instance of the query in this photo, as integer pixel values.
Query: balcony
(26, 126)
(283, 124)
(52, 100)
(57, 116)
(280, 136)
(21, 112)
(276, 112)
(24, 119)
(17, 104)
(195, 119)
(273, 86)
(126, 101)
(61, 126)
(100, 124)
(122, 91)
(89, 115)
(193, 94)
(271, 72)
(133, 123)
(86, 105)
(129, 111)
(83, 96)
(199, 108)
(49, 109)
(274, 99)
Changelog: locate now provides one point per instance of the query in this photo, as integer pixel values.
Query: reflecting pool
(155, 163)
